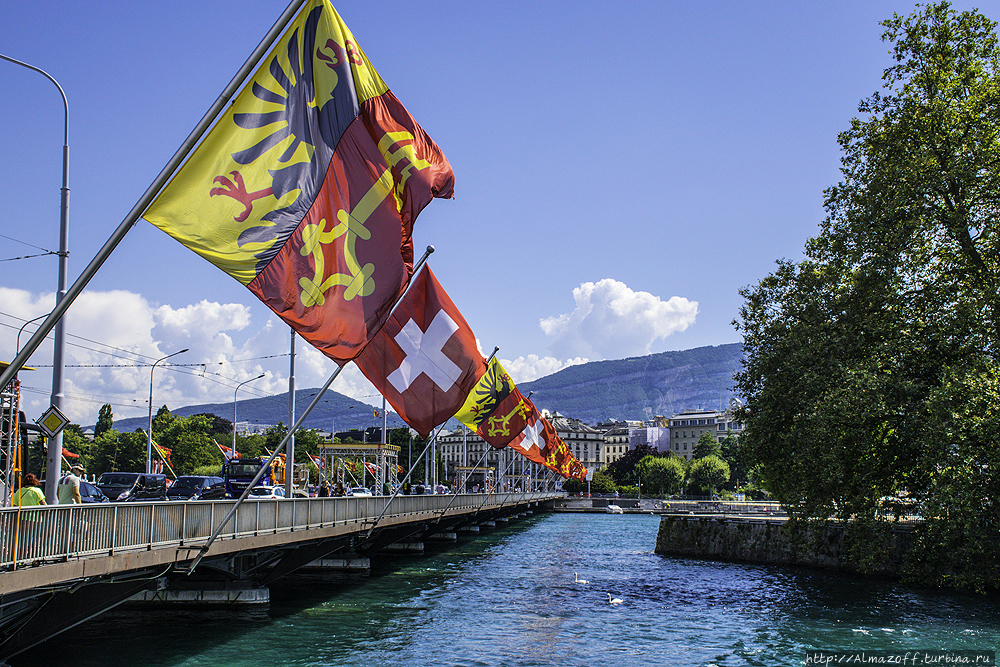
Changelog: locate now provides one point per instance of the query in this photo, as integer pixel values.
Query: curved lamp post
(149, 433)
(21, 330)
(234, 407)
(54, 453)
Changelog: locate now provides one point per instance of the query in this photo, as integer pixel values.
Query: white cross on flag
(424, 360)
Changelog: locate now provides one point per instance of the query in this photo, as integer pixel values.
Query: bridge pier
(405, 548)
(203, 597)
(442, 537)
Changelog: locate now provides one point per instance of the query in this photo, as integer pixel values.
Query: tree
(105, 420)
(161, 420)
(707, 445)
(852, 356)
(190, 443)
(708, 474)
(666, 474)
(116, 451)
(623, 470)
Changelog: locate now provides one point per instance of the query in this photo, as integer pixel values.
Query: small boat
(614, 509)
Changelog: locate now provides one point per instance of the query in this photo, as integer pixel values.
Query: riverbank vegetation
(871, 368)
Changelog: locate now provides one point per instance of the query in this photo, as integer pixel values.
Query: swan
(612, 600)
(578, 580)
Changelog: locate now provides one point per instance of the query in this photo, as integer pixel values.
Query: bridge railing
(56, 533)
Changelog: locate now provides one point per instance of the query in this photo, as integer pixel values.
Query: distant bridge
(62, 565)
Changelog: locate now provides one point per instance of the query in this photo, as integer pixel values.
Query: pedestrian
(324, 490)
(27, 496)
(68, 491)
(29, 493)
(339, 491)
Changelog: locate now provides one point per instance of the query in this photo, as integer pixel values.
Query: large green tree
(854, 356)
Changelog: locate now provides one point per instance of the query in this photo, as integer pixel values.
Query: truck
(239, 472)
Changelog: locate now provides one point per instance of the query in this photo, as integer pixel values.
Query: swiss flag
(424, 360)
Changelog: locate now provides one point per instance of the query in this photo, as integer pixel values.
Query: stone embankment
(777, 541)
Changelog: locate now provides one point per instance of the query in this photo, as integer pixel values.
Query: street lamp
(234, 407)
(21, 330)
(54, 453)
(149, 433)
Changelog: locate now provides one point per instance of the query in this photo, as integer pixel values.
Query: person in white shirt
(69, 486)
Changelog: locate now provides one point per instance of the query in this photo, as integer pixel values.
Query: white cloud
(112, 337)
(532, 367)
(611, 321)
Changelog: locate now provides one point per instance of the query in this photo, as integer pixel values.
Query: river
(508, 597)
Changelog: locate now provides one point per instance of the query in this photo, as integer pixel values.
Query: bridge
(62, 565)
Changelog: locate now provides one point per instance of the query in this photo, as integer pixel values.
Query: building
(688, 426)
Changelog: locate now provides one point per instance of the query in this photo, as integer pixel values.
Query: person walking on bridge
(69, 486)
(29, 493)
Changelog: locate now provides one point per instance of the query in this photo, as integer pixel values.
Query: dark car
(91, 494)
(197, 487)
(132, 486)
(88, 492)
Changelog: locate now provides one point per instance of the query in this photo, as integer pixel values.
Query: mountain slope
(636, 388)
(640, 387)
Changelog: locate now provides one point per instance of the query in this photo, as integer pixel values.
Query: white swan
(612, 600)
(578, 580)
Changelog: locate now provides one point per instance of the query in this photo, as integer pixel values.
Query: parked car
(197, 487)
(91, 494)
(360, 491)
(266, 492)
(132, 486)
(88, 492)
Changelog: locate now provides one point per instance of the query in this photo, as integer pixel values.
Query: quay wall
(781, 542)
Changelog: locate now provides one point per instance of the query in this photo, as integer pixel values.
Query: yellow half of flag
(248, 184)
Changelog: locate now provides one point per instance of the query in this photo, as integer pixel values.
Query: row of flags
(306, 191)
(426, 363)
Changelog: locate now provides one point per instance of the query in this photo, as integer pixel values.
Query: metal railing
(56, 533)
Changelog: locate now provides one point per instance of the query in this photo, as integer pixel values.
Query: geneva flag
(424, 360)
(307, 187)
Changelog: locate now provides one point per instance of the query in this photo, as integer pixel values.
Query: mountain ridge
(634, 389)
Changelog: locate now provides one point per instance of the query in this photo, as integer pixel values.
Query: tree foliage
(105, 420)
(707, 474)
(857, 358)
(665, 473)
(707, 445)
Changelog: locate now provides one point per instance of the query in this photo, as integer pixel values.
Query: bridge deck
(45, 546)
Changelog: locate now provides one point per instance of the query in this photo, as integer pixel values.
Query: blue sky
(621, 171)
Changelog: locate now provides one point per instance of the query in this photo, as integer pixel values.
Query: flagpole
(284, 441)
(147, 198)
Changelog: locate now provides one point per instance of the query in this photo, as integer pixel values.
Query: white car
(266, 492)
(360, 491)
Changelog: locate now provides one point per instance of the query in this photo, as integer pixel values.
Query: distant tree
(708, 474)
(114, 451)
(623, 469)
(105, 420)
(74, 441)
(219, 428)
(707, 445)
(190, 443)
(602, 482)
(161, 420)
(665, 474)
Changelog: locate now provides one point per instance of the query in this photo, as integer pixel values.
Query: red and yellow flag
(307, 188)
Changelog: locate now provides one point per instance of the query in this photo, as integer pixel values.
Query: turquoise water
(508, 597)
